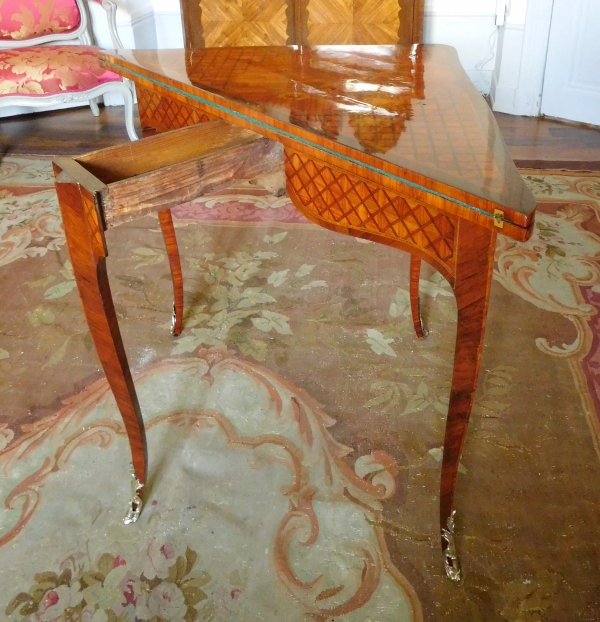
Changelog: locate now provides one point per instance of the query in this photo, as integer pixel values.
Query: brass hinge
(499, 218)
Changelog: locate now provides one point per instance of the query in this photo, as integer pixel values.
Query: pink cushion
(27, 19)
(48, 69)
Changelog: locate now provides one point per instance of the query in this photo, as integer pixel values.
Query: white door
(572, 78)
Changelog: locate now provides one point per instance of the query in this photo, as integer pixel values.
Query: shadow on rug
(295, 426)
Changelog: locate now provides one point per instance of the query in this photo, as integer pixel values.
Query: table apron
(162, 109)
(364, 206)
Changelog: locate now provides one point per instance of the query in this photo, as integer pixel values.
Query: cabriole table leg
(85, 241)
(475, 261)
(168, 231)
(104, 188)
(415, 301)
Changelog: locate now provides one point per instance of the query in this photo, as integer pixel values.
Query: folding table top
(410, 111)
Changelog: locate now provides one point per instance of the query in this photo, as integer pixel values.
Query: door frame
(524, 54)
(536, 37)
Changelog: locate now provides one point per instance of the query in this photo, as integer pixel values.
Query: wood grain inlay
(244, 22)
(339, 22)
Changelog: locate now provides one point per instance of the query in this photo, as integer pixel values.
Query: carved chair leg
(128, 106)
(85, 240)
(168, 231)
(415, 302)
(472, 289)
(94, 107)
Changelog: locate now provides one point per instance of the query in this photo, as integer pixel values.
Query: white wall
(135, 24)
(491, 56)
(470, 27)
(169, 29)
(505, 78)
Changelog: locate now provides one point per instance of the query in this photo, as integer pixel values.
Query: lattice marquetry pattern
(343, 199)
(163, 113)
(244, 22)
(339, 22)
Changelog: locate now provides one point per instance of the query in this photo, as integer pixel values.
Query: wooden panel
(376, 22)
(224, 23)
(353, 22)
(244, 22)
(329, 22)
(220, 23)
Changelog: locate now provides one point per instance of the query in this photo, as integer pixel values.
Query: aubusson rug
(295, 426)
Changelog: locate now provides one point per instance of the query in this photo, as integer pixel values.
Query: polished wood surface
(532, 142)
(168, 232)
(346, 22)
(410, 113)
(222, 23)
(77, 192)
(475, 263)
(243, 22)
(340, 114)
(415, 301)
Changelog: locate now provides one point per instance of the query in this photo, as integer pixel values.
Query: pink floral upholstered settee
(33, 73)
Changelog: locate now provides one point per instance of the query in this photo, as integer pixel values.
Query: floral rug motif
(295, 426)
(558, 270)
(242, 525)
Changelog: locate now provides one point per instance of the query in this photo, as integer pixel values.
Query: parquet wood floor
(532, 142)
(539, 142)
(64, 132)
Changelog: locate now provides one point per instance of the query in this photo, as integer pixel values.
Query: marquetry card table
(388, 143)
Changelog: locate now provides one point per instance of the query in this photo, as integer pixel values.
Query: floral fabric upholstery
(28, 19)
(52, 69)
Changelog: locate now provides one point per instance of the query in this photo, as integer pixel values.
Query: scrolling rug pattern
(558, 270)
(330, 314)
(239, 438)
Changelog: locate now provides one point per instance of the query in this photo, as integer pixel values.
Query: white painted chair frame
(84, 34)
